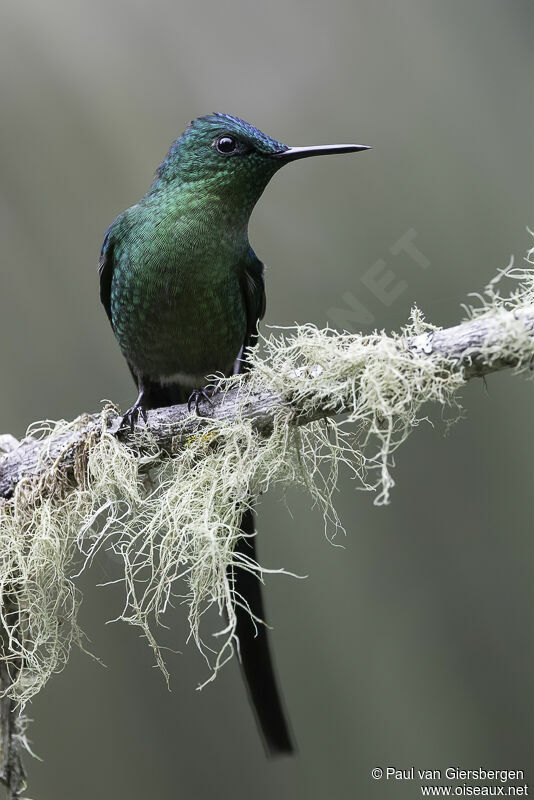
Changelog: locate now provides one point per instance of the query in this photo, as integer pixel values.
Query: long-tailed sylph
(184, 292)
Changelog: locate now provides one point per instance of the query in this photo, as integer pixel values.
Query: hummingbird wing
(105, 271)
(256, 660)
(253, 289)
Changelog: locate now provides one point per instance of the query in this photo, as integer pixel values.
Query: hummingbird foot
(136, 412)
(197, 396)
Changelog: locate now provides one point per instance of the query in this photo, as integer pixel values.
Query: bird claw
(131, 417)
(194, 399)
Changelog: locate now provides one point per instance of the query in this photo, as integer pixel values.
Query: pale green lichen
(173, 521)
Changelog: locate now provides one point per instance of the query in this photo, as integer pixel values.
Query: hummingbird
(184, 293)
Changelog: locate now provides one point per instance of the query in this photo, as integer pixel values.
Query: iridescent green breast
(176, 301)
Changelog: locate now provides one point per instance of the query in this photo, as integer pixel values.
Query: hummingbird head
(232, 157)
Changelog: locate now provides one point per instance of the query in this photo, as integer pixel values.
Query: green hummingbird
(184, 293)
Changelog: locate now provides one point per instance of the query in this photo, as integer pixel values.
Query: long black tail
(256, 661)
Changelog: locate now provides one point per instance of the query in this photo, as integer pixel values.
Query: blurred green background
(412, 645)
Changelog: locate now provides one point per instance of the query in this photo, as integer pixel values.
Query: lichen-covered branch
(485, 344)
(167, 499)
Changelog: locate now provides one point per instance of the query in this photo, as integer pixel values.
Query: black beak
(292, 153)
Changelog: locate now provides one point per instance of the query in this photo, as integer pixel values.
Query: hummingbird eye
(226, 144)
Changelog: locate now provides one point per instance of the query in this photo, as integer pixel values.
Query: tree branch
(475, 348)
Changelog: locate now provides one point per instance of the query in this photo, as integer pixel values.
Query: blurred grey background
(412, 645)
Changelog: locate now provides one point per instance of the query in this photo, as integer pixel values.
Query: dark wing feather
(106, 264)
(105, 271)
(253, 290)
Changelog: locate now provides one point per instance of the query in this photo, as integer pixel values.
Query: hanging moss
(173, 520)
